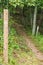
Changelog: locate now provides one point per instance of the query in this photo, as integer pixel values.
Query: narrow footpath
(29, 43)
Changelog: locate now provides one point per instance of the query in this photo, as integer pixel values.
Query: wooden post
(5, 50)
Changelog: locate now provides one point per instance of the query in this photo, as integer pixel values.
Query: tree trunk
(5, 50)
(37, 31)
(31, 17)
(34, 21)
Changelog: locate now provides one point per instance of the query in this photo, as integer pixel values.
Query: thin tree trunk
(37, 31)
(5, 50)
(34, 21)
(31, 17)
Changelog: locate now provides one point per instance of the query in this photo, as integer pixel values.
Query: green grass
(1, 35)
(38, 41)
(18, 50)
(19, 53)
(1, 41)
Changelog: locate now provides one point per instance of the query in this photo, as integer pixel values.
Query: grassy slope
(1, 40)
(38, 40)
(19, 53)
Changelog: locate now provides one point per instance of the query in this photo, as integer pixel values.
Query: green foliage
(1, 40)
(21, 3)
(27, 2)
(38, 42)
(16, 43)
(1, 33)
(12, 42)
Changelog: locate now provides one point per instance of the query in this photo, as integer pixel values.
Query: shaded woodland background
(28, 14)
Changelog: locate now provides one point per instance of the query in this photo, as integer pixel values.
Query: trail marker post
(5, 51)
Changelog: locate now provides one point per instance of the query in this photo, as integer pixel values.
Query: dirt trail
(29, 43)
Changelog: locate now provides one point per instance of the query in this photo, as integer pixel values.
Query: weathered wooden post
(5, 51)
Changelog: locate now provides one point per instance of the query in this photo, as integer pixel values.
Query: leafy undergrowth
(38, 41)
(1, 40)
(19, 53)
(23, 58)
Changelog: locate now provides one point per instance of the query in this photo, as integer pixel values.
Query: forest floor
(21, 49)
(29, 42)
